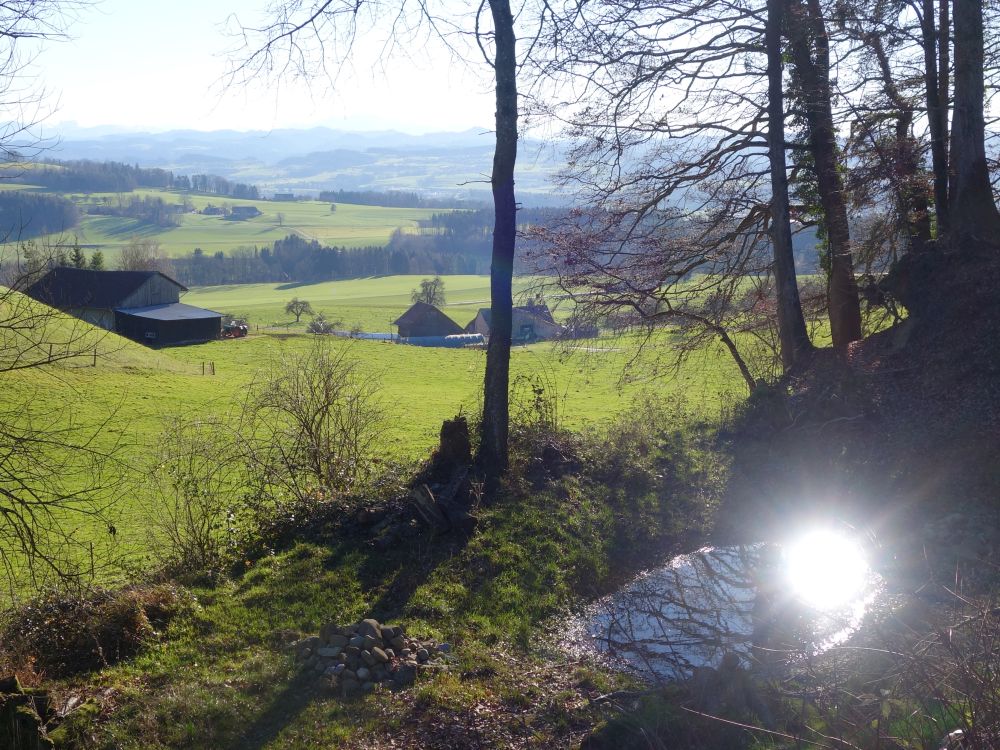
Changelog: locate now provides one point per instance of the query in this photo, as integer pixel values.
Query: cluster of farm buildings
(145, 306)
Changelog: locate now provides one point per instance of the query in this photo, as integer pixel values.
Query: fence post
(213, 367)
(94, 364)
(203, 367)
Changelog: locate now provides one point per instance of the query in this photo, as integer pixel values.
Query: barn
(144, 306)
(530, 323)
(425, 320)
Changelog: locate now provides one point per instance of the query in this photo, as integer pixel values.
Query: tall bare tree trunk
(791, 324)
(935, 44)
(492, 455)
(811, 56)
(973, 212)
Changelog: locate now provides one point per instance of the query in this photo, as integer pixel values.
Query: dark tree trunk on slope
(935, 44)
(972, 210)
(811, 58)
(492, 456)
(791, 323)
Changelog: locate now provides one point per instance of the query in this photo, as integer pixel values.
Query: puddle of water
(698, 607)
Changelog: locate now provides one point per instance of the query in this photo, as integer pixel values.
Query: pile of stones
(357, 657)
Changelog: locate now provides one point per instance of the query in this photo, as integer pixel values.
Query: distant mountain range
(452, 165)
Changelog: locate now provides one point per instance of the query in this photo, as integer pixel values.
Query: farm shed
(425, 320)
(531, 323)
(141, 305)
(241, 213)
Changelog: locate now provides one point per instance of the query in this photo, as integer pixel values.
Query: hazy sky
(159, 65)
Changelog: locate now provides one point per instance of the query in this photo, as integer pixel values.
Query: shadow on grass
(297, 284)
(283, 711)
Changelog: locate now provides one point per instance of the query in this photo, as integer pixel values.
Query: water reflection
(699, 607)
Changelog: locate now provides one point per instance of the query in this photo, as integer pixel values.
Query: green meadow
(369, 304)
(143, 390)
(349, 226)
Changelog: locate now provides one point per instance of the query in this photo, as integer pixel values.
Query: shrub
(62, 634)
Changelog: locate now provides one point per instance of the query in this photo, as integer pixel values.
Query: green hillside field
(140, 390)
(369, 304)
(349, 226)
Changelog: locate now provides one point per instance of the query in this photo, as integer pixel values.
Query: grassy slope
(348, 226)
(421, 386)
(221, 679)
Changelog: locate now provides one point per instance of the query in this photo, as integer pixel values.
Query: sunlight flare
(825, 569)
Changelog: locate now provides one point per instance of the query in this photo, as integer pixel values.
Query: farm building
(531, 323)
(242, 213)
(425, 320)
(141, 305)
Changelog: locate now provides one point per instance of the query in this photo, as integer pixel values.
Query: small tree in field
(431, 292)
(298, 308)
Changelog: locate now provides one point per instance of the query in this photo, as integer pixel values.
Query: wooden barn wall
(156, 291)
(102, 318)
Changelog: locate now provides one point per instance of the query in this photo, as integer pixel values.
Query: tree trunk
(972, 210)
(492, 454)
(811, 56)
(791, 325)
(937, 106)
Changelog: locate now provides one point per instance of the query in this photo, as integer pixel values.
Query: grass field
(371, 304)
(144, 389)
(349, 226)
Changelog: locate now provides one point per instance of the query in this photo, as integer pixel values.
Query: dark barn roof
(173, 311)
(66, 287)
(426, 320)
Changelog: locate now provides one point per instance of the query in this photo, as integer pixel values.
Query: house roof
(418, 311)
(173, 311)
(66, 287)
(538, 311)
(421, 312)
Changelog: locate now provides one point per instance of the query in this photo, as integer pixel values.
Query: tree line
(388, 199)
(86, 176)
(24, 215)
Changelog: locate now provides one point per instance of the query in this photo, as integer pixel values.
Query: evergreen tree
(97, 261)
(78, 259)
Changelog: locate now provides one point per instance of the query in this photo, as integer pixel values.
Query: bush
(195, 480)
(311, 425)
(62, 635)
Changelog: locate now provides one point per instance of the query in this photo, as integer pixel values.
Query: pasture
(138, 391)
(350, 226)
(369, 304)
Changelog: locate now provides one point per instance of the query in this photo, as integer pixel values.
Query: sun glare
(825, 569)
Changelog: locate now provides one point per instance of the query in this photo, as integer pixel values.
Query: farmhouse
(241, 213)
(531, 323)
(423, 320)
(141, 305)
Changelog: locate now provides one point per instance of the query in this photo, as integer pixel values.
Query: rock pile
(357, 657)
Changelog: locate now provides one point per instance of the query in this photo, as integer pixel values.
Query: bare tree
(791, 325)
(298, 308)
(311, 423)
(972, 210)
(140, 255)
(809, 45)
(56, 470)
(303, 38)
(431, 292)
